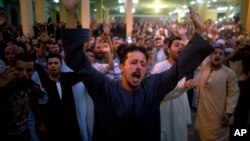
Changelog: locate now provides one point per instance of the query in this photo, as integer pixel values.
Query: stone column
(212, 14)
(244, 14)
(1, 3)
(202, 10)
(99, 12)
(228, 12)
(129, 18)
(106, 16)
(85, 14)
(27, 18)
(62, 13)
(40, 11)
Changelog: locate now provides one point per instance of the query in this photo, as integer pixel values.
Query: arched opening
(13, 14)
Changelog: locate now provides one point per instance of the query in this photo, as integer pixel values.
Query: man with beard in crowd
(217, 97)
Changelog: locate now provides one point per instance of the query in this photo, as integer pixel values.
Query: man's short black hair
(53, 55)
(26, 57)
(172, 39)
(131, 48)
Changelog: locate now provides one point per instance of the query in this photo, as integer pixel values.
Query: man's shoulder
(66, 74)
(161, 65)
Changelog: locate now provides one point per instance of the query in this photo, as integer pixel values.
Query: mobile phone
(129, 40)
(2, 66)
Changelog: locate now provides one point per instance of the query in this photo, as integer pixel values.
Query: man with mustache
(129, 109)
(19, 96)
(175, 111)
(217, 97)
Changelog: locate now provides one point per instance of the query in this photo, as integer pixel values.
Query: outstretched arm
(76, 59)
(74, 38)
(188, 60)
(70, 7)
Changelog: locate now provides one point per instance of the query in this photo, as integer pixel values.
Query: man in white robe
(174, 109)
(217, 97)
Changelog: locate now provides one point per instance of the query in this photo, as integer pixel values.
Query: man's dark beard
(99, 56)
(132, 86)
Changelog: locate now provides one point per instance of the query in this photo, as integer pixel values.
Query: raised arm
(44, 37)
(74, 39)
(70, 7)
(188, 60)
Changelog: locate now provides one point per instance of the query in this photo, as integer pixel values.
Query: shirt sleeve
(233, 93)
(188, 60)
(78, 61)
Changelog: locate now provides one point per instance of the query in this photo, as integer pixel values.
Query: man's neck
(171, 61)
(215, 68)
(55, 77)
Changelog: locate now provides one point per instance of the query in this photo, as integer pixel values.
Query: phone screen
(129, 40)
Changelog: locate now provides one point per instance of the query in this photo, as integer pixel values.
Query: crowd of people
(68, 83)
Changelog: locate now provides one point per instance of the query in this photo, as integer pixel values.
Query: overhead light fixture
(123, 1)
(133, 10)
(157, 10)
(231, 16)
(56, 1)
(221, 8)
(184, 6)
(122, 10)
(200, 1)
(192, 2)
(135, 1)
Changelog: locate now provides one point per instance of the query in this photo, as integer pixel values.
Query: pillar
(85, 14)
(212, 14)
(228, 12)
(106, 16)
(245, 14)
(62, 13)
(40, 11)
(27, 18)
(99, 13)
(180, 15)
(1, 3)
(129, 18)
(202, 10)
(53, 15)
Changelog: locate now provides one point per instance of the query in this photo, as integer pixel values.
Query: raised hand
(6, 76)
(43, 33)
(70, 6)
(190, 84)
(198, 24)
(44, 37)
(182, 30)
(106, 29)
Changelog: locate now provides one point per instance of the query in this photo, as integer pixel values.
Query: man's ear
(121, 68)
(168, 50)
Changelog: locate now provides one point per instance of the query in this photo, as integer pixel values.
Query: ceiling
(154, 7)
(158, 7)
